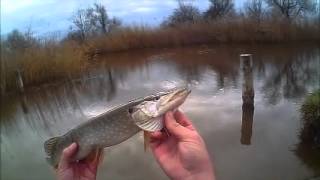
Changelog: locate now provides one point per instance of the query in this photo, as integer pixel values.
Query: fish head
(148, 114)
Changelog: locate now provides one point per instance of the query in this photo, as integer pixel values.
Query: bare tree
(114, 23)
(16, 41)
(84, 23)
(104, 23)
(254, 10)
(91, 22)
(219, 8)
(101, 17)
(185, 13)
(19, 41)
(291, 9)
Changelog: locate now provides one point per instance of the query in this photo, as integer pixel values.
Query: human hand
(181, 152)
(81, 170)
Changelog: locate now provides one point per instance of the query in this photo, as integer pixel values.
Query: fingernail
(73, 145)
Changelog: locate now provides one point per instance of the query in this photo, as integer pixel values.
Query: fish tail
(50, 148)
(146, 138)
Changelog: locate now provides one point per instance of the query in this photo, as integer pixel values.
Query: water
(245, 141)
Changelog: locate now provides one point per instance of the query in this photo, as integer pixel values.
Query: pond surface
(250, 137)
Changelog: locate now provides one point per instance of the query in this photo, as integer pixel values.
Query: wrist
(203, 174)
(206, 175)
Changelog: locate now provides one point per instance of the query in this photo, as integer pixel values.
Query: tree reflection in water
(290, 74)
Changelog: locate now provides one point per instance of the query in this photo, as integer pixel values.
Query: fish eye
(156, 98)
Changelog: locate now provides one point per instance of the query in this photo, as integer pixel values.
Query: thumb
(67, 155)
(174, 127)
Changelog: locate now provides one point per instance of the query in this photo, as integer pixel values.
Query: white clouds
(125, 7)
(144, 9)
(12, 6)
(51, 15)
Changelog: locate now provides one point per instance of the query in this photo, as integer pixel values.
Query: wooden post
(20, 85)
(19, 81)
(247, 98)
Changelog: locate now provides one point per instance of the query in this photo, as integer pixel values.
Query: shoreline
(144, 54)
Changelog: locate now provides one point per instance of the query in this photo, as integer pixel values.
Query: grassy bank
(53, 60)
(308, 147)
(311, 116)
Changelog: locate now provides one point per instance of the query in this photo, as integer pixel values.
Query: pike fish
(116, 125)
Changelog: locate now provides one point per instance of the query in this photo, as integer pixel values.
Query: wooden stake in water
(19, 81)
(20, 85)
(247, 98)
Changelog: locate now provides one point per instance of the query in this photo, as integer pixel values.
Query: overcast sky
(54, 15)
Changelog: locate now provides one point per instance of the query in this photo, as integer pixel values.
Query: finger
(67, 155)
(174, 127)
(154, 143)
(157, 135)
(156, 138)
(183, 120)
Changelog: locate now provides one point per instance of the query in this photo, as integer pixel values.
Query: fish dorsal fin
(152, 125)
(50, 145)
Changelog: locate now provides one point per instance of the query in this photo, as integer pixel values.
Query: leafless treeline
(257, 10)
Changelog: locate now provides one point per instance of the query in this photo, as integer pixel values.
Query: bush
(311, 116)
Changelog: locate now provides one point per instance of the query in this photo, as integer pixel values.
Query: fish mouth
(177, 94)
(173, 99)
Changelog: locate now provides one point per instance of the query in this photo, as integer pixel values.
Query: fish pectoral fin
(146, 140)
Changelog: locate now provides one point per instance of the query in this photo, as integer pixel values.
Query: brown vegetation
(42, 64)
(224, 31)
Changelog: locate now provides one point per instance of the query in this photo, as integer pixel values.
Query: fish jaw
(172, 101)
(148, 115)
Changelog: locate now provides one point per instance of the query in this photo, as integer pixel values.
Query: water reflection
(310, 156)
(247, 99)
(276, 82)
(23, 103)
(291, 76)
